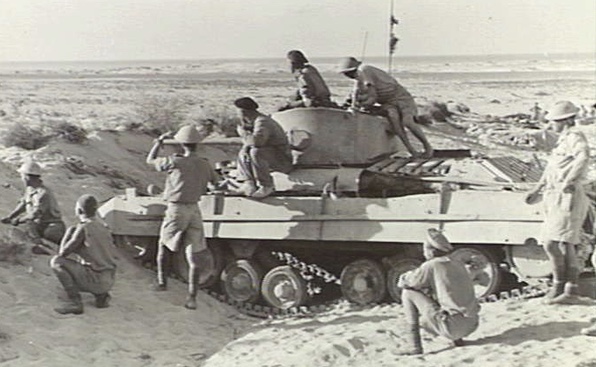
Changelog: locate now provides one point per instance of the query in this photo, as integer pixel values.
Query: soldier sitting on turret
(312, 90)
(265, 148)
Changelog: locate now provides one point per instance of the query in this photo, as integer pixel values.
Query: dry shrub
(217, 119)
(156, 115)
(20, 135)
(69, 132)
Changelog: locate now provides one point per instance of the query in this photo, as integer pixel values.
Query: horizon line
(545, 54)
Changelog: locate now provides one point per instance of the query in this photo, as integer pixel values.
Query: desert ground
(143, 328)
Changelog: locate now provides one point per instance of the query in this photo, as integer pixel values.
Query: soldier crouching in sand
(182, 227)
(439, 295)
(95, 273)
(37, 210)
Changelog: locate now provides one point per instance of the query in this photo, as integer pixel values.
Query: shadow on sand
(544, 332)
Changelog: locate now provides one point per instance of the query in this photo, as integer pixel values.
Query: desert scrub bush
(17, 134)
(69, 132)
(216, 119)
(156, 115)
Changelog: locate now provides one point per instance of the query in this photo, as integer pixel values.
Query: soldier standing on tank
(37, 209)
(312, 90)
(182, 226)
(375, 86)
(95, 273)
(565, 202)
(439, 295)
(265, 148)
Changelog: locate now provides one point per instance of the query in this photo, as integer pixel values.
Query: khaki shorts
(87, 279)
(182, 226)
(450, 326)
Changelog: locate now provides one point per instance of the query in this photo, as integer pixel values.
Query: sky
(67, 30)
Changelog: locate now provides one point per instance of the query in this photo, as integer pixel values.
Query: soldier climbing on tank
(265, 148)
(182, 226)
(565, 203)
(312, 90)
(439, 295)
(374, 86)
(38, 209)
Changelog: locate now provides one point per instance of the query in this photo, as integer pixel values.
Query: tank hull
(471, 217)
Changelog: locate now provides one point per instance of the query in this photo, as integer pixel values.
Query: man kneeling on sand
(439, 295)
(95, 272)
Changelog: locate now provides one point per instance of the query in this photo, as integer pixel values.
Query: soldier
(182, 226)
(375, 86)
(95, 273)
(37, 209)
(439, 295)
(265, 148)
(312, 90)
(565, 202)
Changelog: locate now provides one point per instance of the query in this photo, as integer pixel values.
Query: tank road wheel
(530, 260)
(396, 269)
(241, 281)
(363, 282)
(284, 288)
(210, 263)
(482, 267)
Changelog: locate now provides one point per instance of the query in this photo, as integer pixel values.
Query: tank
(350, 217)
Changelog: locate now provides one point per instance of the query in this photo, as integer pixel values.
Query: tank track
(309, 271)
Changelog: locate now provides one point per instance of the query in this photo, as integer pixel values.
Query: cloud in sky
(41, 30)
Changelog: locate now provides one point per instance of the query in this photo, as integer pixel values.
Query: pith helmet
(30, 168)
(187, 134)
(348, 64)
(436, 239)
(562, 110)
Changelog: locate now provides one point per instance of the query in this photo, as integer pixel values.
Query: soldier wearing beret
(265, 148)
(439, 295)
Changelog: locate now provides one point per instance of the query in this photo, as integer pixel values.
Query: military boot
(74, 305)
(191, 302)
(193, 279)
(102, 300)
(571, 296)
(556, 290)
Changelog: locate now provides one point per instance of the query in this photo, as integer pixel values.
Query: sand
(143, 328)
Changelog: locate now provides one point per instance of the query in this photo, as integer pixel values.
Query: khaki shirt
(97, 248)
(40, 204)
(311, 86)
(449, 283)
(187, 177)
(265, 132)
(569, 161)
(371, 80)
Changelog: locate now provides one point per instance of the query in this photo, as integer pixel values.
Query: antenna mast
(364, 41)
(392, 38)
